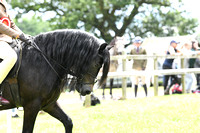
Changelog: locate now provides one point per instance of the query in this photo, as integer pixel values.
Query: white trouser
(188, 82)
(9, 57)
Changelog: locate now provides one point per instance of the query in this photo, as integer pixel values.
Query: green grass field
(161, 114)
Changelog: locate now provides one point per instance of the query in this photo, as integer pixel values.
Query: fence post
(87, 102)
(155, 76)
(183, 76)
(124, 79)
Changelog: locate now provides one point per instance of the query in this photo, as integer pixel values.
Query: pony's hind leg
(55, 111)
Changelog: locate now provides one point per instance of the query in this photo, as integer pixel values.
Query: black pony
(44, 70)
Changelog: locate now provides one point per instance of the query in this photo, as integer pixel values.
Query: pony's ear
(102, 47)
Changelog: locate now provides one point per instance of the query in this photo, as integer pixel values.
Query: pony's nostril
(87, 92)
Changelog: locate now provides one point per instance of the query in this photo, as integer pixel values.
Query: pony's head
(81, 54)
(86, 82)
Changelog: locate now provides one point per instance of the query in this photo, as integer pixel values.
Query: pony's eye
(97, 65)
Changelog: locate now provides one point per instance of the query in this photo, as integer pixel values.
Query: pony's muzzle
(84, 89)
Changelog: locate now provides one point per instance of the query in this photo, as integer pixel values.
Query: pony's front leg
(55, 111)
(30, 113)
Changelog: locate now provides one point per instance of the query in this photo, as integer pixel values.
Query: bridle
(80, 78)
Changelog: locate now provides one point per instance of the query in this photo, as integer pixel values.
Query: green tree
(33, 26)
(108, 18)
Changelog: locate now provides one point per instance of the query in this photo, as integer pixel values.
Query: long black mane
(73, 49)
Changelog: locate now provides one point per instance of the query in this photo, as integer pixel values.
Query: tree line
(106, 18)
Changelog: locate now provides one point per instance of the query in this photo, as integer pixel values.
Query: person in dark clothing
(195, 62)
(197, 65)
(168, 65)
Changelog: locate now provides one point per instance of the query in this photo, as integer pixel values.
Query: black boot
(136, 87)
(145, 89)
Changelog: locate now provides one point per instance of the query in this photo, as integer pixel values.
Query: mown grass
(161, 114)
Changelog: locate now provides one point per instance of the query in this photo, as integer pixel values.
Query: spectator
(194, 48)
(197, 65)
(187, 50)
(139, 65)
(195, 62)
(172, 50)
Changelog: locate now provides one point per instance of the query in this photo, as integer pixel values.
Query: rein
(61, 66)
(45, 57)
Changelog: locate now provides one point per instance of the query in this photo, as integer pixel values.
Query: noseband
(80, 80)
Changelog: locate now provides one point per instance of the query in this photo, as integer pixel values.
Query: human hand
(25, 39)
